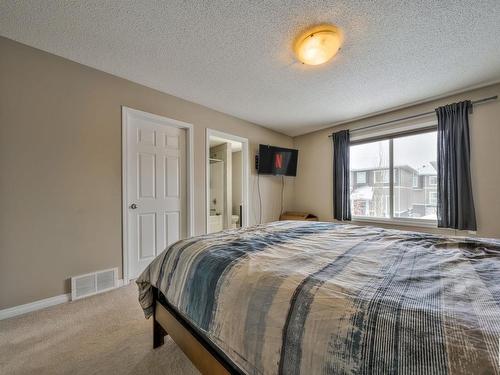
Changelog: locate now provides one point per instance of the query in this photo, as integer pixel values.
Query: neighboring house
(415, 192)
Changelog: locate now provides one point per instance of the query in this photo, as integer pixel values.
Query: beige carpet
(104, 334)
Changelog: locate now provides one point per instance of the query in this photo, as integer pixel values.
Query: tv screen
(277, 161)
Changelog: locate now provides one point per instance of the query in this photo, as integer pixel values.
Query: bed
(324, 298)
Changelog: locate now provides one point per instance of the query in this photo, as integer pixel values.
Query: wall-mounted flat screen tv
(277, 161)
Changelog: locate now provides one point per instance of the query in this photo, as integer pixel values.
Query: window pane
(370, 179)
(361, 177)
(415, 193)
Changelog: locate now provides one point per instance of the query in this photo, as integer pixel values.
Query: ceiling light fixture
(318, 45)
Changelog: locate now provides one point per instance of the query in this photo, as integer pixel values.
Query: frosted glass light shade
(318, 45)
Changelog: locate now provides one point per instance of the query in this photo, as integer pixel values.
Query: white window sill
(395, 221)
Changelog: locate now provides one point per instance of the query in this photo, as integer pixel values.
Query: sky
(415, 151)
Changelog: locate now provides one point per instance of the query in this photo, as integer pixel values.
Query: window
(371, 198)
(433, 195)
(411, 160)
(396, 177)
(361, 178)
(418, 154)
(382, 176)
(415, 181)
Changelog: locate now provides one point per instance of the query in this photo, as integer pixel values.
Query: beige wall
(313, 189)
(60, 163)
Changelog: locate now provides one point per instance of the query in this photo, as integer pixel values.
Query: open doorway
(227, 181)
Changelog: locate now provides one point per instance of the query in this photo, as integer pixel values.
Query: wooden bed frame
(207, 358)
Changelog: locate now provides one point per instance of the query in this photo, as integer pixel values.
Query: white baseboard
(40, 304)
(33, 306)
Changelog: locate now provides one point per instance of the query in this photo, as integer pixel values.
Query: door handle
(133, 206)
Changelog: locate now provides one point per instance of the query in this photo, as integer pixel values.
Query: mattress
(323, 298)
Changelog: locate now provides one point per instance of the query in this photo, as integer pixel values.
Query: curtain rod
(417, 115)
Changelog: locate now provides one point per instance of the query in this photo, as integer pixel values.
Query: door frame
(245, 178)
(126, 113)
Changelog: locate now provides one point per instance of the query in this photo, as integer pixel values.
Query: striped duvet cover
(323, 298)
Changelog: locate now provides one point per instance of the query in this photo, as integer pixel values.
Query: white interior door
(156, 188)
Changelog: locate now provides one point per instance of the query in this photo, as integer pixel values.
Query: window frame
(393, 219)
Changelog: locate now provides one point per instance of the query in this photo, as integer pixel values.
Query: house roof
(362, 193)
(428, 169)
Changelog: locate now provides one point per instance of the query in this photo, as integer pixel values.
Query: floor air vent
(93, 283)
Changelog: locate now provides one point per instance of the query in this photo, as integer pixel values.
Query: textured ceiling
(236, 57)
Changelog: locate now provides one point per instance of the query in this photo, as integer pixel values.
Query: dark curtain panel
(455, 202)
(341, 200)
